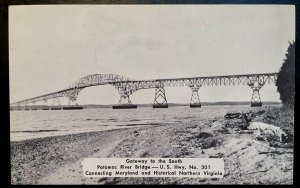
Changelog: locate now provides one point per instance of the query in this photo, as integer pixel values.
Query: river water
(43, 123)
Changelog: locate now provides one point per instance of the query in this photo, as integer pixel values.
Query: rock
(268, 129)
(245, 132)
(286, 138)
(260, 112)
(232, 115)
(282, 145)
(247, 118)
(136, 133)
(270, 117)
(237, 123)
(216, 125)
(218, 155)
(143, 153)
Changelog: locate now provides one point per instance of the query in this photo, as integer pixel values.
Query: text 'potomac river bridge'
(126, 86)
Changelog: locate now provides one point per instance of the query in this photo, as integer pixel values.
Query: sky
(51, 46)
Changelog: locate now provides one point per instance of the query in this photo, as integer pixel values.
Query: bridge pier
(195, 100)
(54, 105)
(255, 100)
(256, 86)
(124, 101)
(160, 100)
(45, 105)
(72, 102)
(26, 108)
(73, 105)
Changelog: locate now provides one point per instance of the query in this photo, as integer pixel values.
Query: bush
(286, 78)
(204, 135)
(209, 143)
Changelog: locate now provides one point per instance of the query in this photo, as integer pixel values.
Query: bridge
(126, 86)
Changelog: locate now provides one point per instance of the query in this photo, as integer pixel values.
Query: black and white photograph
(150, 82)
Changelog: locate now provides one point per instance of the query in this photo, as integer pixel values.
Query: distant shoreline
(88, 106)
(184, 104)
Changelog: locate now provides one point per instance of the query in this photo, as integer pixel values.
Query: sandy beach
(248, 158)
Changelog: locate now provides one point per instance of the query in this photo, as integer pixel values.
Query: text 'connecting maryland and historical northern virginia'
(153, 167)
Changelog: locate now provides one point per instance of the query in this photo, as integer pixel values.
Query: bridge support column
(124, 101)
(255, 100)
(45, 105)
(55, 101)
(195, 100)
(56, 104)
(26, 107)
(18, 107)
(72, 96)
(160, 100)
(45, 102)
(73, 103)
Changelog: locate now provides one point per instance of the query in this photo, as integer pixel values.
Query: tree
(286, 78)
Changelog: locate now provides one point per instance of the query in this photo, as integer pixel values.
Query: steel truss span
(126, 86)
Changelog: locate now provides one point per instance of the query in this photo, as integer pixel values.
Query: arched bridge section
(71, 92)
(126, 86)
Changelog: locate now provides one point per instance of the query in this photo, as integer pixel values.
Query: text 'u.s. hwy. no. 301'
(153, 167)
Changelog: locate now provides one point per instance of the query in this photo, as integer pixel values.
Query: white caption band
(153, 167)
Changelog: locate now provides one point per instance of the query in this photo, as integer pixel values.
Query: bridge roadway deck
(95, 80)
